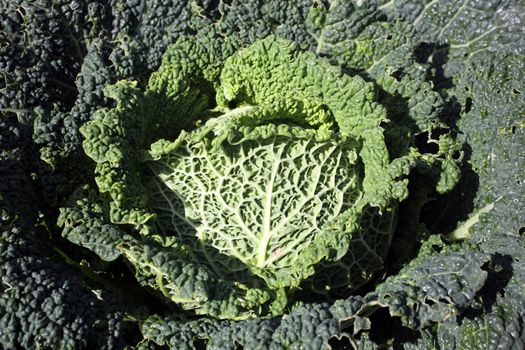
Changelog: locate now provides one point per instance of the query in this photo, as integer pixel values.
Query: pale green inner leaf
(255, 204)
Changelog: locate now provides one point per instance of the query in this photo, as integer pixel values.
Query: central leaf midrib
(267, 215)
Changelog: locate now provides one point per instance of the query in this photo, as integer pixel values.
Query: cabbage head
(247, 174)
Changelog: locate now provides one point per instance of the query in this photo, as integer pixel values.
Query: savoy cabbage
(262, 174)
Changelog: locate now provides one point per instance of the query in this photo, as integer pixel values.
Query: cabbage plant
(262, 174)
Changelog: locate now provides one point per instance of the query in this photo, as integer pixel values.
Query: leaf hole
(516, 92)
(487, 266)
(397, 74)
(521, 231)
(387, 328)
(444, 301)
(437, 248)
(389, 37)
(22, 11)
(468, 104)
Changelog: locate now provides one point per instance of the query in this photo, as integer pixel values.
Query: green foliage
(262, 174)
